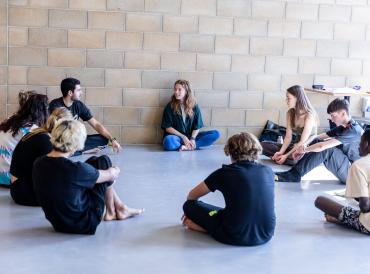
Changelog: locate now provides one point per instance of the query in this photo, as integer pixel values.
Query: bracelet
(112, 139)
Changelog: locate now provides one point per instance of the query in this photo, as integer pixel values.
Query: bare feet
(124, 212)
(331, 219)
(185, 148)
(191, 225)
(110, 215)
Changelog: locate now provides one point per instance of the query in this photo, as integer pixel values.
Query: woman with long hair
(301, 118)
(33, 113)
(182, 121)
(34, 144)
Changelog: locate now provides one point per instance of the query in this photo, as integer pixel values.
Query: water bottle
(280, 140)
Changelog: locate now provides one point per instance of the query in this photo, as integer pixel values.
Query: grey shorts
(351, 217)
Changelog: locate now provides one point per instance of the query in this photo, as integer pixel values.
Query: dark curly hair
(243, 146)
(33, 111)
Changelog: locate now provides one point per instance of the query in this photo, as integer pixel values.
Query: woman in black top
(248, 189)
(33, 145)
(182, 120)
(73, 195)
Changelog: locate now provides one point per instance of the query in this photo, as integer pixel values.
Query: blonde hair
(68, 135)
(55, 116)
(189, 100)
(243, 146)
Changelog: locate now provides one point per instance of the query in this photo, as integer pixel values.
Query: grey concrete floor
(157, 243)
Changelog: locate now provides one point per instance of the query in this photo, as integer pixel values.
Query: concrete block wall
(239, 56)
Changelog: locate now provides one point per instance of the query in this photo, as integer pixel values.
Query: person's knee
(188, 206)
(104, 162)
(319, 202)
(216, 134)
(169, 144)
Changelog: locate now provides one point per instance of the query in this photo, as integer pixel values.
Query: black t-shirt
(248, 190)
(33, 145)
(78, 109)
(63, 189)
(350, 137)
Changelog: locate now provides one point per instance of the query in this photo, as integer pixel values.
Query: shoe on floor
(288, 176)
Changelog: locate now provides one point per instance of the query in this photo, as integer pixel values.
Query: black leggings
(22, 193)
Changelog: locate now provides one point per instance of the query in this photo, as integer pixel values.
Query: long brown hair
(189, 100)
(303, 105)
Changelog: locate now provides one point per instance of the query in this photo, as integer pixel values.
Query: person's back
(62, 188)
(248, 189)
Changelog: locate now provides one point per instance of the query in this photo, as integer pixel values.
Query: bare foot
(110, 215)
(193, 226)
(331, 219)
(124, 212)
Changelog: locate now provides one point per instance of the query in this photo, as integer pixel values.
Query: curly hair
(243, 146)
(55, 116)
(68, 135)
(189, 102)
(33, 111)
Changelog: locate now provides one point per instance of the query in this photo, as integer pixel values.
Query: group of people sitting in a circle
(36, 144)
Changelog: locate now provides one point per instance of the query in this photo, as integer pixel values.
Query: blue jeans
(203, 139)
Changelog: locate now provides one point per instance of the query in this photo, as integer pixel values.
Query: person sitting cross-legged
(358, 187)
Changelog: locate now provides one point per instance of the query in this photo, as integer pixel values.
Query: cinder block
(141, 97)
(3, 36)
(359, 49)
(124, 40)
(232, 44)
(246, 100)
(19, 16)
(142, 60)
(55, 92)
(161, 41)
(298, 47)
(18, 36)
(351, 2)
(361, 14)
(3, 56)
(268, 9)
(228, 117)
(362, 81)
(106, 20)
(151, 116)
(274, 100)
(139, 135)
(165, 96)
(198, 80)
(68, 19)
(349, 31)
(318, 100)
(211, 62)
(248, 64)
(278, 64)
(88, 4)
(163, 6)
(66, 57)
(3, 75)
(335, 13)
(159, 79)
(212, 99)
(47, 37)
(48, 3)
(256, 131)
(27, 56)
(206, 116)
(302, 12)
(143, 22)
(314, 30)
(178, 61)
(215, 25)
(104, 96)
(17, 2)
(104, 59)
(115, 131)
(180, 24)
(314, 65)
(366, 67)
(251, 27)
(346, 67)
(86, 39)
(89, 77)
(198, 43)
(304, 80)
(259, 117)
(264, 82)
(235, 8)
(330, 81)
(284, 29)
(204, 7)
(230, 81)
(122, 78)
(121, 116)
(125, 5)
(266, 46)
(326, 48)
(50, 76)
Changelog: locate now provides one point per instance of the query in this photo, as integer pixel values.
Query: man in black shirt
(71, 91)
(336, 149)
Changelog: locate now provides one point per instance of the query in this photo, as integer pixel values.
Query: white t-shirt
(358, 184)
(8, 143)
